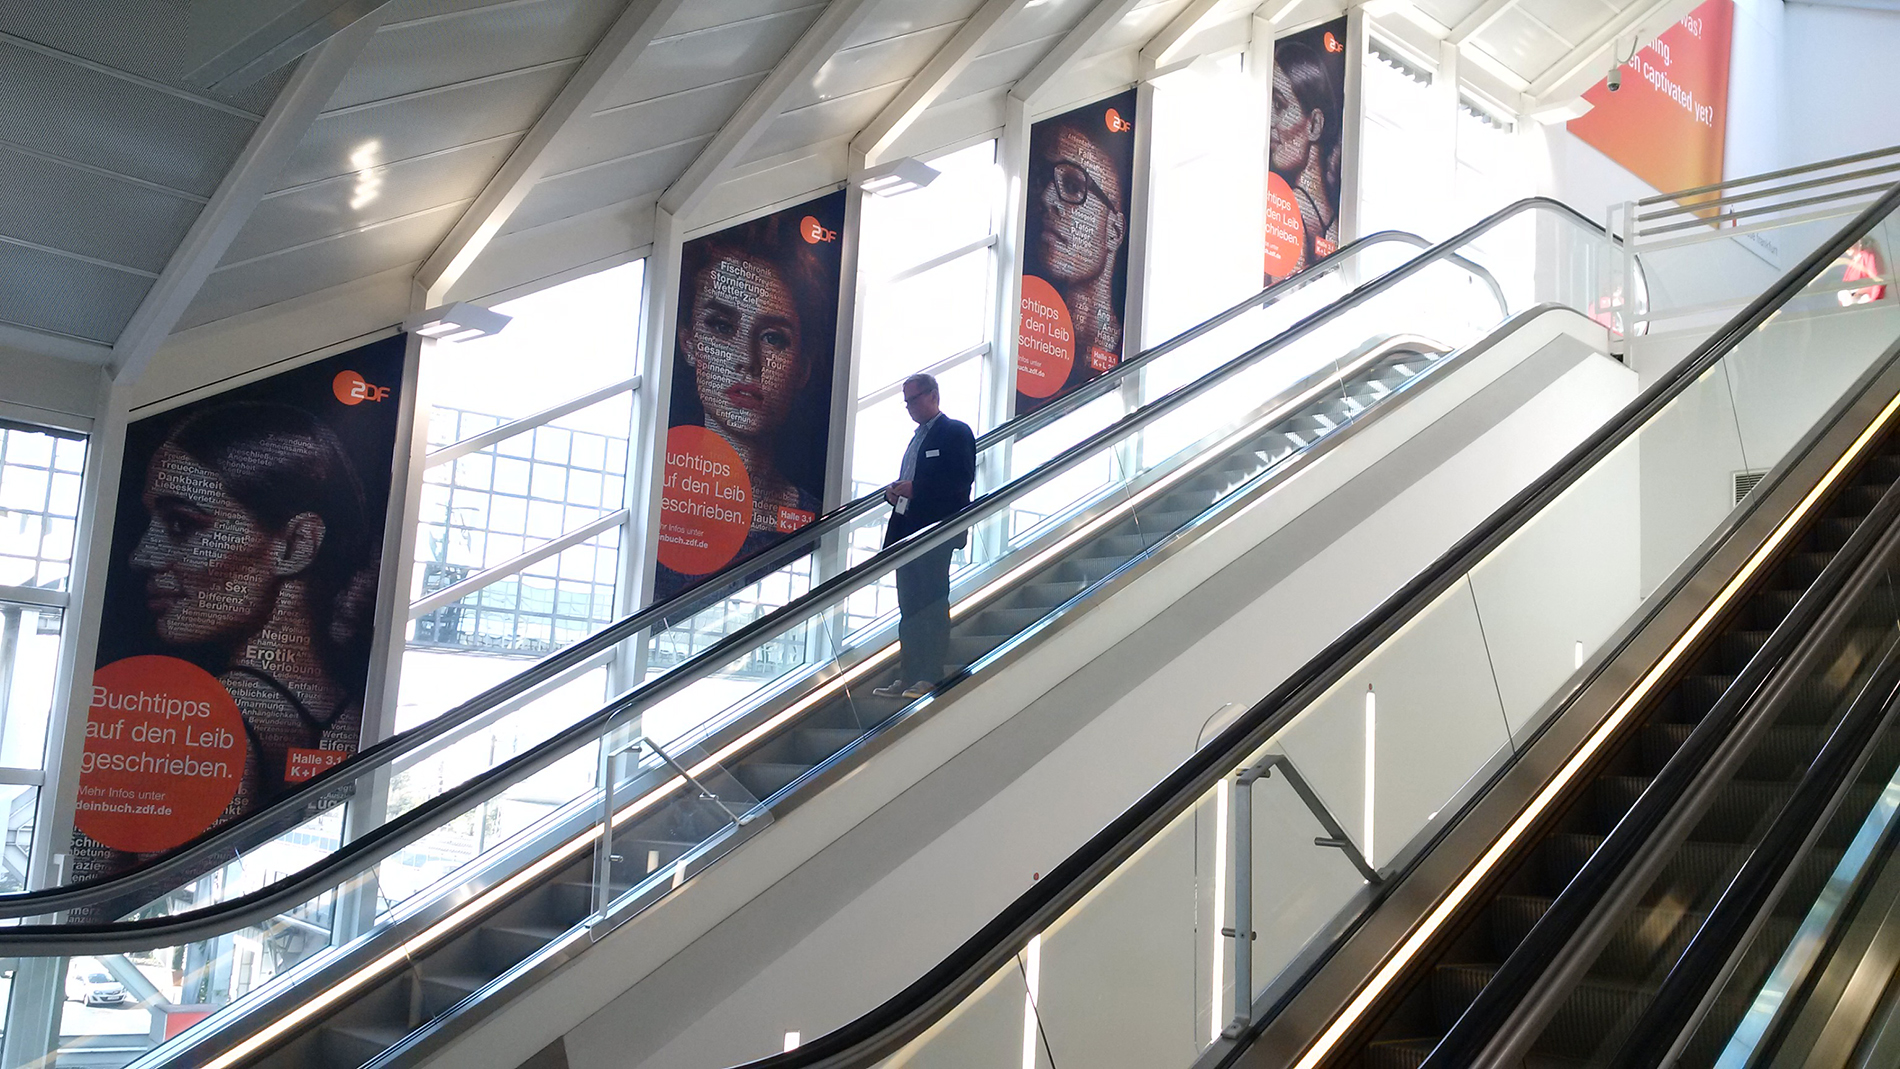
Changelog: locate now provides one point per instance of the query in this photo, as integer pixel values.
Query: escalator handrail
(906, 1015)
(295, 806)
(385, 839)
(1676, 1004)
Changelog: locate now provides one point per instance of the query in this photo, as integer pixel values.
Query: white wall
(1838, 74)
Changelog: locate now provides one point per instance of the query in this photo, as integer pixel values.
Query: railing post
(1242, 931)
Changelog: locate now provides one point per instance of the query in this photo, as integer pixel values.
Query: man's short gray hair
(928, 382)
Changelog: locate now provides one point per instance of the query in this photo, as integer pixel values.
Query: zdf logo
(350, 388)
(814, 232)
(1117, 124)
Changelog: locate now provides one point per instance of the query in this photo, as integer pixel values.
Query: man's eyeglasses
(1072, 184)
(913, 398)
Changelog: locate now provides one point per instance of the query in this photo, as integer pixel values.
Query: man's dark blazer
(946, 469)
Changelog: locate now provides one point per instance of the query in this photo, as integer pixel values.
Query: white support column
(917, 95)
(1353, 107)
(606, 64)
(1012, 152)
(645, 468)
(1140, 213)
(270, 147)
(850, 341)
(812, 50)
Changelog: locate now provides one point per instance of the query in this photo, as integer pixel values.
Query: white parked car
(89, 983)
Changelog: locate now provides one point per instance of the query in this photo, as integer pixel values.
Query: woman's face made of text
(211, 569)
(1293, 128)
(743, 343)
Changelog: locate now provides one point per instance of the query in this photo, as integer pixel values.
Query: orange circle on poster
(348, 386)
(705, 504)
(1286, 231)
(1045, 340)
(164, 753)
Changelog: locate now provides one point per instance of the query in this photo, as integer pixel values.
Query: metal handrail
(389, 837)
(335, 782)
(907, 1014)
(1769, 176)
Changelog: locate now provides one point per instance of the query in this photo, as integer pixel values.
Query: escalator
(1611, 782)
(672, 775)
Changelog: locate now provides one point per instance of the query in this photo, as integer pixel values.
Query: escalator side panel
(1250, 603)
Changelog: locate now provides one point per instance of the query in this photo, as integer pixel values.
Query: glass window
(545, 481)
(1399, 156)
(929, 261)
(39, 502)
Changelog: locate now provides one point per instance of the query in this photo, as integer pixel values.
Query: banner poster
(239, 603)
(1668, 123)
(1305, 147)
(1075, 249)
(749, 420)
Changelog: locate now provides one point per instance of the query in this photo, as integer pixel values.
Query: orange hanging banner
(1668, 122)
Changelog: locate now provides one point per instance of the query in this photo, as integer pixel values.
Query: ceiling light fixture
(456, 322)
(899, 176)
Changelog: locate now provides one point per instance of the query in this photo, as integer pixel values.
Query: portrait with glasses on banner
(1075, 250)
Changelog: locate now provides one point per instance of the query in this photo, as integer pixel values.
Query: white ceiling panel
(1521, 42)
(719, 54)
(641, 174)
(424, 122)
(1448, 12)
(1138, 26)
(889, 20)
(1573, 20)
(996, 69)
(1041, 21)
(854, 70)
(240, 287)
(648, 124)
(841, 116)
(46, 291)
(127, 127)
(144, 38)
(347, 202)
(89, 212)
(707, 14)
(449, 49)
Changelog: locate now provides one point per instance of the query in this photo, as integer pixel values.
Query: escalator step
(503, 946)
(1738, 646)
(1780, 754)
(766, 778)
(357, 1044)
(440, 993)
(821, 744)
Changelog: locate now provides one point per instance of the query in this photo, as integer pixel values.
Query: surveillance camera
(1615, 79)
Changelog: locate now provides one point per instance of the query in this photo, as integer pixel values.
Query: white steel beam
(1479, 20)
(1594, 51)
(1161, 47)
(609, 60)
(1274, 10)
(742, 129)
(262, 161)
(921, 91)
(1094, 23)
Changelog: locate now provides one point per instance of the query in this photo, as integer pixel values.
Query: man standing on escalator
(933, 483)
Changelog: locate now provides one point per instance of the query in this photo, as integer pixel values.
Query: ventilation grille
(1390, 56)
(1744, 481)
